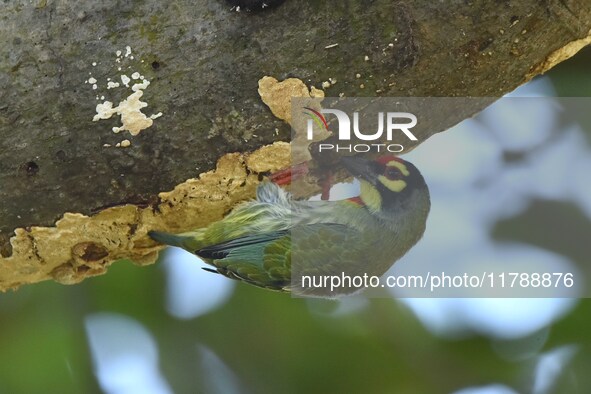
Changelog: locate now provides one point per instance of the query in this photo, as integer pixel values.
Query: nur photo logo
(389, 123)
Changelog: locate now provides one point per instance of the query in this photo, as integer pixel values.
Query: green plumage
(273, 241)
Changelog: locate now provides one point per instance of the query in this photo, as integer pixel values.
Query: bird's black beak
(361, 168)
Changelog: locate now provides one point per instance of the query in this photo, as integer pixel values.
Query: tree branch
(204, 61)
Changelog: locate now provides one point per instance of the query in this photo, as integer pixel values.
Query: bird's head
(389, 185)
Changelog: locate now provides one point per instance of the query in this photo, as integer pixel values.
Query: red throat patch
(388, 158)
(356, 200)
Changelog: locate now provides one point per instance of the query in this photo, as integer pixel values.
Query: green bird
(282, 244)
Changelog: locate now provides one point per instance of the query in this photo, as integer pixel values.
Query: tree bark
(204, 60)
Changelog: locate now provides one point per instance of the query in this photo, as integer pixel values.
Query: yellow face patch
(400, 166)
(395, 186)
(370, 196)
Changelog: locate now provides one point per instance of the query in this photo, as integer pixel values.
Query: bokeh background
(174, 328)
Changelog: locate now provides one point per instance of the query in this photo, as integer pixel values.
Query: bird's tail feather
(182, 241)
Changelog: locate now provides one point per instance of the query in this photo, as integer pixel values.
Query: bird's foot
(285, 177)
(297, 171)
(326, 185)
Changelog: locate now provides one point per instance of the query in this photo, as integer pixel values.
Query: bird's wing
(223, 249)
(245, 258)
(266, 259)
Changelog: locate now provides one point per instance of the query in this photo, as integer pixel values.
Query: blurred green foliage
(272, 342)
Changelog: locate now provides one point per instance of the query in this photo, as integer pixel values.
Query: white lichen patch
(141, 85)
(125, 80)
(130, 109)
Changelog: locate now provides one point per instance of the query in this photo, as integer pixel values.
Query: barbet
(279, 243)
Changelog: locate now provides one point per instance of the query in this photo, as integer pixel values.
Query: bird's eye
(392, 173)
